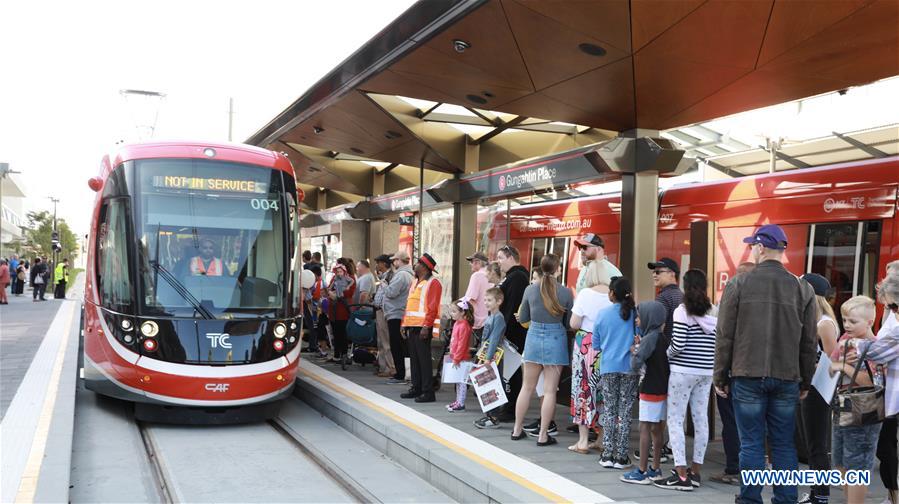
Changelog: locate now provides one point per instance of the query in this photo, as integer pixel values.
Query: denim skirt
(546, 344)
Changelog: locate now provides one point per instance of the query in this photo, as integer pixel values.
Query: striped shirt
(692, 347)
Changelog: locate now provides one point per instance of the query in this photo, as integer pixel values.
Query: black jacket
(40, 269)
(513, 285)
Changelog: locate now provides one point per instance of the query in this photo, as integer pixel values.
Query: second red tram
(840, 219)
(193, 295)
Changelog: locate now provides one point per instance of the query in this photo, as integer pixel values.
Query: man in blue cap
(765, 357)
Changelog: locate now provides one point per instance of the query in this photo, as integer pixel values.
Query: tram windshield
(211, 239)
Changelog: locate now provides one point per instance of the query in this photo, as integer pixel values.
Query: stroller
(361, 331)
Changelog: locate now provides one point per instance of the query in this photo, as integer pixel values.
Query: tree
(39, 235)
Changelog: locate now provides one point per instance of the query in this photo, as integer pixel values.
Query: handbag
(860, 405)
(38, 279)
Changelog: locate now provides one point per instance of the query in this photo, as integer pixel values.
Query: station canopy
(530, 78)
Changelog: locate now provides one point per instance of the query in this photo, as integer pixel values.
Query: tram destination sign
(209, 184)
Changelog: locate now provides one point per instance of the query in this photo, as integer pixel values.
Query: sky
(63, 64)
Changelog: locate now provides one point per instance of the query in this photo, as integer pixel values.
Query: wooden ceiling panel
(859, 49)
(604, 20)
(493, 49)
(793, 22)
(650, 18)
(550, 48)
(412, 153)
(605, 94)
(726, 33)
(312, 173)
(389, 82)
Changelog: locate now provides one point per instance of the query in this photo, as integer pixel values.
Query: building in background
(12, 203)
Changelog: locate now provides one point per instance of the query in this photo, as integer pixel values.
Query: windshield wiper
(182, 290)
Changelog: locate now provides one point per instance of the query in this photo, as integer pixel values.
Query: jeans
(766, 407)
(729, 435)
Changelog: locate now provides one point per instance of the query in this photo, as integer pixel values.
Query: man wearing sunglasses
(592, 248)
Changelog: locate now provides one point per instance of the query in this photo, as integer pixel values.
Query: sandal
(582, 451)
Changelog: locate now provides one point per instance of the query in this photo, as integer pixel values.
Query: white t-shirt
(888, 325)
(587, 304)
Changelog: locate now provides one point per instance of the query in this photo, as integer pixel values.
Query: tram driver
(206, 264)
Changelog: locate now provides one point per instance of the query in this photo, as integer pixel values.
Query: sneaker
(552, 431)
(639, 477)
(695, 479)
(664, 458)
(394, 381)
(674, 482)
(622, 463)
(727, 479)
(486, 422)
(606, 461)
(810, 498)
(455, 406)
(533, 426)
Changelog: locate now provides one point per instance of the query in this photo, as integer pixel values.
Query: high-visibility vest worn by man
(62, 273)
(423, 303)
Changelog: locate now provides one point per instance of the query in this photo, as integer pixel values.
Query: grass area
(73, 274)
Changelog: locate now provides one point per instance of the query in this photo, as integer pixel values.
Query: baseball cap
(383, 258)
(770, 236)
(401, 255)
(665, 262)
(590, 240)
(818, 282)
(479, 256)
(428, 261)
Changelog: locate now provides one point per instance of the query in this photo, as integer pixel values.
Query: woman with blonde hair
(584, 355)
(547, 306)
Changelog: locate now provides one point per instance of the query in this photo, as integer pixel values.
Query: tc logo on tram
(217, 387)
(219, 340)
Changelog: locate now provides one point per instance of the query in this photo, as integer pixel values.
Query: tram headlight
(149, 329)
(126, 324)
(293, 326)
(128, 338)
(280, 330)
(209, 152)
(279, 345)
(150, 345)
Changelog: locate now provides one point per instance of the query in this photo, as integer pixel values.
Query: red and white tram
(193, 296)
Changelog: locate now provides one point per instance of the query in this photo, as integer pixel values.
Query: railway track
(238, 460)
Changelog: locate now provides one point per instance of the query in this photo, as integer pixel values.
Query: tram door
(845, 253)
(542, 246)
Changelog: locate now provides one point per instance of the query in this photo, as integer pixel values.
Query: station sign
(508, 181)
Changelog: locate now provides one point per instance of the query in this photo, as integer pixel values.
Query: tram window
(221, 242)
(846, 254)
(558, 246)
(112, 256)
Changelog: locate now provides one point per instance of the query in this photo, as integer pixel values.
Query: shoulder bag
(858, 406)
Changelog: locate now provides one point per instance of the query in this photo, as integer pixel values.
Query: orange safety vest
(197, 268)
(415, 304)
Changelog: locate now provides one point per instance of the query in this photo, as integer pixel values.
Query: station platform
(24, 324)
(477, 465)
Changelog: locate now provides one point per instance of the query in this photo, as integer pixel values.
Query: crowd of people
(758, 350)
(16, 272)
